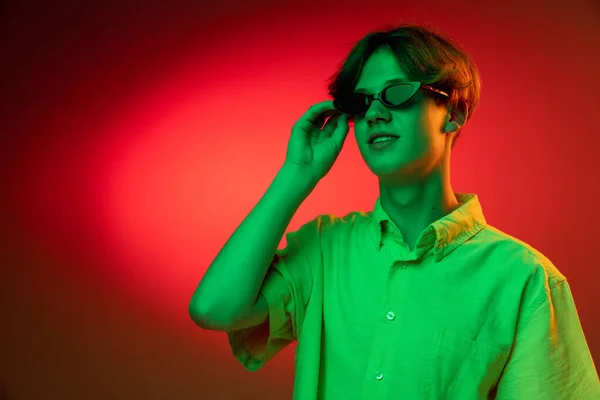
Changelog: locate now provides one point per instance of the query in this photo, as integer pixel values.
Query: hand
(312, 149)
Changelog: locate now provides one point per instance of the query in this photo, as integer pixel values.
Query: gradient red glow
(136, 151)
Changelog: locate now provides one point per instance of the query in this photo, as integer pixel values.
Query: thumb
(341, 130)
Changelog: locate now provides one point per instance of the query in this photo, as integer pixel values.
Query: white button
(378, 375)
(390, 315)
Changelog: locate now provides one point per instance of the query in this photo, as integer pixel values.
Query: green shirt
(470, 313)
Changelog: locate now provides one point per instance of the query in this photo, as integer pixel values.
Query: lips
(381, 134)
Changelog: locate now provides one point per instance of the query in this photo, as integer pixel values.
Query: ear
(456, 117)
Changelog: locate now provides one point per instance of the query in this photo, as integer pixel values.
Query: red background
(137, 136)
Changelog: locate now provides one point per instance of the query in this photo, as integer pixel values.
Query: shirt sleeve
(286, 287)
(550, 358)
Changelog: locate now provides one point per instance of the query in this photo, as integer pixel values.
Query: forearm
(232, 282)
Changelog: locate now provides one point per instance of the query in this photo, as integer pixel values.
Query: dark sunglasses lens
(352, 104)
(357, 103)
(398, 94)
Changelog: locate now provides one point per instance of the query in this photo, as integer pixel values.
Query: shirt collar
(445, 234)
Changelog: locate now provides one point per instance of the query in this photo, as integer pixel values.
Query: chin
(389, 170)
(388, 164)
(398, 170)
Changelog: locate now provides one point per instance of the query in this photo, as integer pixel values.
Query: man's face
(418, 123)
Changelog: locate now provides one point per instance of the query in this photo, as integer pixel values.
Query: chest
(431, 331)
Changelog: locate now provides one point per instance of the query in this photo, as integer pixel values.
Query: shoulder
(337, 224)
(527, 275)
(520, 257)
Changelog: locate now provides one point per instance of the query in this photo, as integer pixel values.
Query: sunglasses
(392, 96)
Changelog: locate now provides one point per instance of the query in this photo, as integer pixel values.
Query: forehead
(380, 67)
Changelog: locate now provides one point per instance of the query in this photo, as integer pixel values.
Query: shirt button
(390, 315)
(378, 375)
(403, 266)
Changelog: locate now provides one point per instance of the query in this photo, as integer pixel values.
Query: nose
(377, 110)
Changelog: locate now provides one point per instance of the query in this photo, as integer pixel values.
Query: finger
(327, 131)
(320, 110)
(341, 131)
(326, 115)
(316, 116)
(329, 127)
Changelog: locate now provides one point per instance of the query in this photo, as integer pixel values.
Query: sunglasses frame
(372, 97)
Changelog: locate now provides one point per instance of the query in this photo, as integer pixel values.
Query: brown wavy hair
(426, 55)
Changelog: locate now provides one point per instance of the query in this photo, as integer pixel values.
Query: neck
(413, 206)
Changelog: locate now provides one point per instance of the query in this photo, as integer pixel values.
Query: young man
(419, 298)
